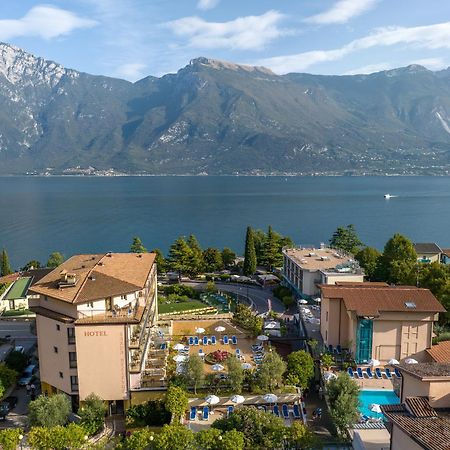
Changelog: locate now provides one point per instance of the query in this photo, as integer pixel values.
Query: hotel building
(378, 321)
(95, 319)
(306, 268)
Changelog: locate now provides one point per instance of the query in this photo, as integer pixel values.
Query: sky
(132, 39)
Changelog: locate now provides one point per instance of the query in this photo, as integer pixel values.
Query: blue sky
(135, 38)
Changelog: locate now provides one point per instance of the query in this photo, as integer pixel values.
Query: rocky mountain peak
(225, 65)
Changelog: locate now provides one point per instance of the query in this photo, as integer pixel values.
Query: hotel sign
(95, 333)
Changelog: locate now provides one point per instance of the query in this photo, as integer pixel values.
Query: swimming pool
(380, 397)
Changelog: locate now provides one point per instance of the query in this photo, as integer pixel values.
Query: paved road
(20, 333)
(257, 295)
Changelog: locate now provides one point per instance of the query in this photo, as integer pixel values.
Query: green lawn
(164, 308)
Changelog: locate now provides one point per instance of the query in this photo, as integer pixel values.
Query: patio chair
(196, 340)
(397, 372)
(186, 348)
(296, 412)
(205, 413)
(369, 372)
(191, 340)
(263, 408)
(238, 352)
(339, 349)
(201, 353)
(234, 340)
(388, 373)
(213, 340)
(276, 410)
(193, 413)
(285, 410)
(359, 372)
(225, 340)
(205, 340)
(230, 410)
(378, 373)
(350, 372)
(330, 348)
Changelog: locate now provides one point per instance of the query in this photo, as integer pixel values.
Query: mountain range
(215, 117)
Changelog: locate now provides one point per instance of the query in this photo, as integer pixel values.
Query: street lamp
(20, 439)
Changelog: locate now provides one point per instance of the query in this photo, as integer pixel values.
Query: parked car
(4, 410)
(19, 348)
(27, 375)
(12, 401)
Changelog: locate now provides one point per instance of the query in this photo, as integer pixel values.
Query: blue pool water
(381, 397)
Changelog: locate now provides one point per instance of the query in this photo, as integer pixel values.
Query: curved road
(256, 294)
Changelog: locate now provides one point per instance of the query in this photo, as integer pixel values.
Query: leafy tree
(196, 263)
(271, 370)
(174, 437)
(228, 257)
(194, 371)
(250, 254)
(49, 411)
(346, 239)
(368, 259)
(300, 368)
(17, 361)
(261, 430)
(212, 259)
(180, 256)
(92, 414)
(8, 376)
(153, 412)
(5, 268)
(10, 438)
(140, 439)
(235, 374)
(211, 287)
(213, 439)
(137, 246)
(398, 262)
(327, 360)
(343, 399)
(55, 259)
(299, 437)
(176, 402)
(57, 438)
(272, 255)
(33, 264)
(161, 262)
(244, 317)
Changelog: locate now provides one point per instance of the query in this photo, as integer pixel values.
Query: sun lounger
(276, 410)
(163, 346)
(257, 347)
(205, 340)
(388, 373)
(359, 372)
(350, 372)
(205, 413)
(378, 373)
(263, 408)
(193, 413)
(339, 349)
(225, 339)
(330, 348)
(397, 372)
(186, 348)
(196, 340)
(213, 340)
(234, 340)
(201, 353)
(230, 410)
(369, 372)
(296, 412)
(191, 340)
(238, 352)
(285, 410)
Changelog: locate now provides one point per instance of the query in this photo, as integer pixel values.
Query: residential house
(428, 252)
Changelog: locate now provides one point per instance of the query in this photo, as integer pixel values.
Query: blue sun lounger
(397, 372)
(191, 340)
(276, 410)
(213, 340)
(205, 340)
(378, 373)
(196, 340)
(388, 373)
(263, 408)
(234, 340)
(225, 339)
(230, 410)
(369, 372)
(285, 410)
(359, 372)
(296, 412)
(193, 413)
(350, 372)
(205, 414)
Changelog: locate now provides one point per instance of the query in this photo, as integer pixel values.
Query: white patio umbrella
(237, 399)
(180, 358)
(271, 325)
(374, 407)
(270, 398)
(220, 328)
(373, 362)
(411, 361)
(262, 337)
(212, 399)
(246, 366)
(393, 362)
(303, 301)
(178, 346)
(200, 330)
(217, 367)
(318, 299)
(329, 376)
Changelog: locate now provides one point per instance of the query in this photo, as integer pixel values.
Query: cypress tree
(250, 253)
(272, 253)
(5, 268)
(137, 246)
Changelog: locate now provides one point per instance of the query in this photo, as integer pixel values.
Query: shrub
(92, 414)
(49, 411)
(153, 413)
(10, 438)
(57, 438)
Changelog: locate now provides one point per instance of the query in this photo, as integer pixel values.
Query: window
(90, 304)
(123, 297)
(327, 317)
(72, 360)
(410, 305)
(61, 375)
(55, 349)
(74, 383)
(108, 304)
(58, 327)
(71, 336)
(45, 298)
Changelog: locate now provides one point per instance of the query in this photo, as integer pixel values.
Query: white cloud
(342, 11)
(432, 63)
(131, 71)
(207, 4)
(244, 33)
(44, 21)
(429, 37)
(370, 68)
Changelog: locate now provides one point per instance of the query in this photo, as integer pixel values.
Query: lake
(76, 214)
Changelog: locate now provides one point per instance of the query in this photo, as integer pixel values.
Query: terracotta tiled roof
(440, 352)
(427, 370)
(97, 276)
(9, 278)
(371, 300)
(418, 420)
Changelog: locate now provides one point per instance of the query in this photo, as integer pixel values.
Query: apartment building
(378, 321)
(305, 268)
(95, 320)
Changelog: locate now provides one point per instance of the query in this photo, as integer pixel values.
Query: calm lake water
(73, 215)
